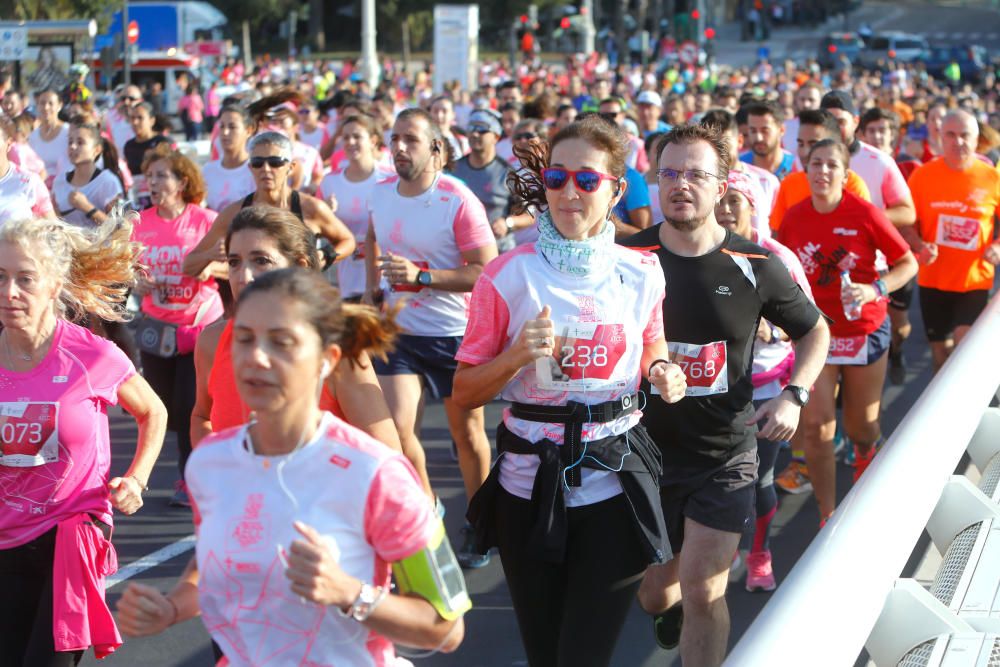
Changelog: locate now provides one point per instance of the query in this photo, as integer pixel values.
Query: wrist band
(91, 213)
(649, 371)
(177, 613)
(880, 288)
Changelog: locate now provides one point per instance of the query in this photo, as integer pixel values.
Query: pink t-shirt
(54, 434)
(23, 195)
(26, 158)
(363, 499)
(194, 106)
(178, 298)
(432, 230)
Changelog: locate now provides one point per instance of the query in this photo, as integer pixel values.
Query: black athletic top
(711, 311)
(294, 204)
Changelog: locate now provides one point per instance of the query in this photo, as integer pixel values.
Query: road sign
(210, 48)
(133, 32)
(13, 43)
(688, 53)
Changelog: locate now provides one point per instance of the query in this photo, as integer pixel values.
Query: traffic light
(709, 33)
(564, 23)
(524, 19)
(695, 15)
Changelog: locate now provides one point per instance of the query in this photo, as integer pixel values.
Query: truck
(166, 32)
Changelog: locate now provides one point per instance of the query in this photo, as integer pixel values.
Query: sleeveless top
(228, 409)
(294, 204)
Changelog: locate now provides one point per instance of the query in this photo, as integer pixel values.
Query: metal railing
(826, 608)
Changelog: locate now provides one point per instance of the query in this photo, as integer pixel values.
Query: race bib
(585, 358)
(29, 434)
(174, 292)
(848, 351)
(957, 232)
(411, 288)
(704, 365)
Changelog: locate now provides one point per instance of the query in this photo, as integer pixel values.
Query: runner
(279, 112)
(773, 358)
(564, 329)
(50, 137)
(428, 263)
(815, 125)
(836, 236)
(957, 198)
(55, 447)
(442, 110)
(311, 131)
(145, 139)
(270, 161)
(84, 194)
(880, 128)
(329, 538)
(22, 194)
(118, 120)
(229, 178)
(807, 96)
(722, 285)
(353, 186)
(765, 129)
(175, 307)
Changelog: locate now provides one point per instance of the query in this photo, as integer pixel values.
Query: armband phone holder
(434, 574)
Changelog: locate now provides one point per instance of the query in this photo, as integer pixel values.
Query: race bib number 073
(706, 367)
(29, 435)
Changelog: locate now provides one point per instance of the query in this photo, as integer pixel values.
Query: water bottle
(852, 309)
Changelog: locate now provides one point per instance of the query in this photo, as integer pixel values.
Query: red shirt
(846, 238)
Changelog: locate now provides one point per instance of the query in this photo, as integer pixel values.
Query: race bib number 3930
(29, 435)
(706, 367)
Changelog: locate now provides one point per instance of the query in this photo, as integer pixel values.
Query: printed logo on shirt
(250, 530)
(842, 231)
(723, 290)
(340, 461)
(59, 379)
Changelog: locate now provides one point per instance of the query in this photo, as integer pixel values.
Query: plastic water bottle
(852, 309)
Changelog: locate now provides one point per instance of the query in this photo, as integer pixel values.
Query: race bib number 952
(706, 367)
(29, 435)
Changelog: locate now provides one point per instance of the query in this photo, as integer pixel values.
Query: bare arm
(139, 400)
(204, 357)
(372, 274)
(328, 225)
(402, 271)
(903, 212)
(144, 611)
(210, 248)
(641, 217)
(360, 396)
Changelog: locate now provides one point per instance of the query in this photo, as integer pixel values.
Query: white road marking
(150, 561)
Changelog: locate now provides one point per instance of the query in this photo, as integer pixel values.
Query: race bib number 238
(29, 435)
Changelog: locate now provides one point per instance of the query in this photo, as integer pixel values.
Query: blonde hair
(96, 267)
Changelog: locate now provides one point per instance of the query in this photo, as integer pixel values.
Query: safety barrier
(844, 593)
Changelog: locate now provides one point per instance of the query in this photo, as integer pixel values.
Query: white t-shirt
(505, 149)
(100, 191)
(22, 196)
(119, 128)
(353, 200)
(790, 142)
(54, 152)
(224, 186)
(310, 160)
(602, 322)
(316, 138)
(881, 174)
(360, 496)
(432, 230)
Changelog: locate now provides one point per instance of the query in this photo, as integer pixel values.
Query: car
(885, 46)
(973, 61)
(836, 45)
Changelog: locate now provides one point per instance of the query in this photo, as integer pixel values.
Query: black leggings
(173, 381)
(26, 607)
(570, 614)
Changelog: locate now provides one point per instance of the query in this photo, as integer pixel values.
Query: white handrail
(826, 608)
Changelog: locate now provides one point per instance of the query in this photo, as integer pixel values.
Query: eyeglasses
(692, 176)
(586, 180)
(525, 136)
(272, 161)
(129, 98)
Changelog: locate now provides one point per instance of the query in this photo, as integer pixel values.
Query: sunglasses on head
(272, 161)
(479, 129)
(586, 180)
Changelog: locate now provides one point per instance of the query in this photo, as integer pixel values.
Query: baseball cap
(649, 97)
(838, 99)
(485, 119)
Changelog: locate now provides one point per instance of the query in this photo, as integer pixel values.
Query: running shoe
(760, 575)
(861, 463)
(667, 627)
(794, 479)
(180, 497)
(839, 442)
(467, 556)
(897, 367)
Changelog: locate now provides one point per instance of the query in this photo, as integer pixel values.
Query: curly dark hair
(526, 184)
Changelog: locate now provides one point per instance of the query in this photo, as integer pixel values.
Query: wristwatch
(424, 278)
(369, 598)
(799, 394)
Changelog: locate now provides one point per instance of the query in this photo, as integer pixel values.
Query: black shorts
(944, 311)
(719, 497)
(432, 358)
(903, 297)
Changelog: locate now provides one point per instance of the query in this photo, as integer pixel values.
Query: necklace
(10, 356)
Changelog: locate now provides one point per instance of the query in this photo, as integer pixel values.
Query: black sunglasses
(525, 136)
(272, 161)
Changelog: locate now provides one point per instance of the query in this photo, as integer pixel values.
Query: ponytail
(366, 330)
(110, 155)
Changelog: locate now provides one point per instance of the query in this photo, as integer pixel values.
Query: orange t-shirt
(955, 210)
(795, 188)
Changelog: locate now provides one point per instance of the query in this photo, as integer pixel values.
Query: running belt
(573, 416)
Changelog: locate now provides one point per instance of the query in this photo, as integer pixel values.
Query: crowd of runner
(666, 274)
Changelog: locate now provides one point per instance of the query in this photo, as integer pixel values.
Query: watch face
(424, 278)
